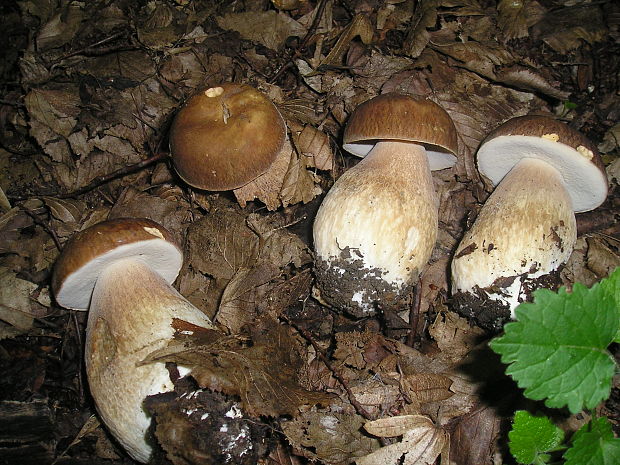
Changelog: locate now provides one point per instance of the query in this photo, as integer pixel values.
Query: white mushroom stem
(525, 229)
(384, 210)
(131, 314)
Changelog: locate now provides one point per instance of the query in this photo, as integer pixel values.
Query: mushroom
(544, 172)
(226, 136)
(376, 228)
(122, 269)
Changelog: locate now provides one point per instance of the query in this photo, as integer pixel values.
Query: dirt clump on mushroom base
(366, 292)
(195, 425)
(484, 310)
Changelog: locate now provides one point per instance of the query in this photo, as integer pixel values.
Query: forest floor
(91, 88)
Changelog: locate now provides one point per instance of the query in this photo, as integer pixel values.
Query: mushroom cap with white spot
(89, 251)
(226, 136)
(544, 138)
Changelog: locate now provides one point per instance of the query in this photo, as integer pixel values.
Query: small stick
(99, 180)
(414, 313)
(304, 42)
(308, 337)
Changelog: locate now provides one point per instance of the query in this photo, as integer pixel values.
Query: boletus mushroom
(544, 171)
(121, 271)
(226, 136)
(376, 228)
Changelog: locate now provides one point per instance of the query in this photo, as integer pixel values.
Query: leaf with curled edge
(238, 305)
(260, 367)
(422, 442)
(313, 145)
(65, 210)
(268, 185)
(426, 387)
(268, 28)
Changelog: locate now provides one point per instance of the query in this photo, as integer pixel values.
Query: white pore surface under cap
(585, 182)
(436, 160)
(160, 255)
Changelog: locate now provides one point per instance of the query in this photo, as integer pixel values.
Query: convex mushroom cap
(403, 118)
(88, 252)
(377, 226)
(121, 270)
(526, 230)
(226, 136)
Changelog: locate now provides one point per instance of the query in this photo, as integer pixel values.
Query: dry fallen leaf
(514, 18)
(268, 28)
(334, 438)
(262, 371)
(421, 442)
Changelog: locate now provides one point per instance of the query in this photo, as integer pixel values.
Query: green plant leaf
(594, 444)
(532, 437)
(556, 349)
(612, 285)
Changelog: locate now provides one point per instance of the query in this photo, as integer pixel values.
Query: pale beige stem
(384, 210)
(130, 316)
(525, 229)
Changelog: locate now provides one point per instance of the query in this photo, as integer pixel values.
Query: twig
(308, 337)
(126, 170)
(304, 42)
(414, 313)
(42, 224)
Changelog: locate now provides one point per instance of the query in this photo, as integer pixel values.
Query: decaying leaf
(314, 145)
(421, 442)
(268, 28)
(334, 438)
(15, 302)
(261, 370)
(422, 388)
(359, 26)
(238, 304)
(515, 18)
(268, 185)
(424, 17)
(569, 28)
(454, 336)
(602, 260)
(62, 27)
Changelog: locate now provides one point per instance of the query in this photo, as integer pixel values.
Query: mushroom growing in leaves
(377, 226)
(121, 270)
(544, 172)
(225, 137)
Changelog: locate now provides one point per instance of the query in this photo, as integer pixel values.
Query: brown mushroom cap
(403, 118)
(88, 252)
(544, 138)
(226, 136)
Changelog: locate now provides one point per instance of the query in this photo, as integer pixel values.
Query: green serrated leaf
(612, 286)
(594, 444)
(556, 349)
(532, 437)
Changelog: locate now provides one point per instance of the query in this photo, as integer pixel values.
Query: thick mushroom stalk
(131, 315)
(519, 237)
(376, 229)
(544, 172)
(121, 270)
